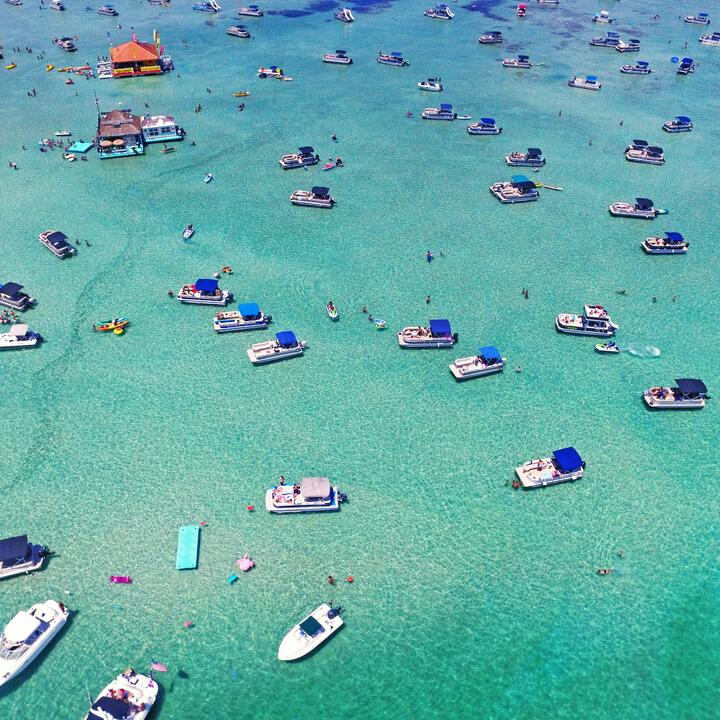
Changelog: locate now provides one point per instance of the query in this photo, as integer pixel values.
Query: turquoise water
(470, 599)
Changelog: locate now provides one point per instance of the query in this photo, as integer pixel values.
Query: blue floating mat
(187, 549)
(232, 578)
(79, 147)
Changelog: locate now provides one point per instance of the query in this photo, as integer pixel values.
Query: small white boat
(18, 556)
(17, 3)
(564, 465)
(639, 68)
(444, 112)
(486, 362)
(208, 177)
(313, 494)
(440, 12)
(248, 316)
(57, 243)
(332, 311)
(27, 634)
(532, 158)
(318, 197)
(438, 335)
(549, 2)
(339, 57)
(431, 85)
(681, 123)
(188, 232)
(211, 6)
(700, 19)
(672, 244)
(250, 11)
(393, 58)
(204, 291)
(108, 10)
(521, 61)
(130, 695)
(641, 152)
(310, 633)
(57, 5)
(63, 133)
(304, 157)
(610, 40)
(607, 347)
(642, 208)
(589, 82)
(603, 17)
(344, 15)
(583, 325)
(713, 39)
(686, 66)
(689, 394)
(285, 345)
(491, 38)
(19, 338)
(486, 126)
(70, 157)
(520, 189)
(238, 31)
(632, 45)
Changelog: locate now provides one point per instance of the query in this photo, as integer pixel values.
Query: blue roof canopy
(683, 119)
(523, 57)
(519, 178)
(206, 285)
(612, 34)
(395, 53)
(445, 106)
(591, 78)
(643, 203)
(568, 459)
(11, 289)
(642, 63)
(640, 143)
(317, 190)
(490, 353)
(249, 310)
(13, 548)
(687, 60)
(691, 387)
(674, 237)
(286, 338)
(440, 327)
(487, 121)
(306, 150)
(535, 152)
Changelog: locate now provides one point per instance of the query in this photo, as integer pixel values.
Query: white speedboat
(339, 57)
(66, 44)
(285, 345)
(344, 15)
(431, 85)
(318, 197)
(332, 311)
(700, 19)
(393, 58)
(532, 158)
(610, 40)
(589, 82)
(494, 37)
(27, 634)
(188, 232)
(583, 325)
(17, 3)
(672, 244)
(440, 12)
(250, 11)
(238, 31)
(310, 633)
(19, 338)
(640, 152)
(631, 45)
(444, 112)
(57, 5)
(609, 347)
(639, 68)
(248, 316)
(57, 243)
(486, 362)
(712, 39)
(642, 208)
(680, 123)
(486, 126)
(686, 66)
(689, 394)
(304, 157)
(108, 10)
(549, 2)
(129, 696)
(438, 335)
(204, 291)
(20, 557)
(603, 17)
(564, 465)
(211, 6)
(520, 189)
(312, 494)
(521, 61)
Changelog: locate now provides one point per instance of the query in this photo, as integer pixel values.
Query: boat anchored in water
(713, 39)
(108, 10)
(332, 311)
(285, 345)
(564, 465)
(18, 556)
(584, 325)
(681, 123)
(12, 296)
(642, 208)
(486, 362)
(431, 85)
(494, 37)
(673, 243)
(339, 57)
(609, 347)
(686, 66)
(188, 232)
(520, 189)
(250, 11)
(273, 72)
(440, 12)
(65, 43)
(486, 126)
(603, 17)
(640, 152)
(19, 338)
(57, 243)
(304, 157)
(532, 158)
(129, 696)
(639, 68)
(700, 19)
(318, 197)
(344, 15)
(521, 61)
(313, 494)
(211, 6)
(393, 58)
(205, 291)
(610, 40)
(521, 10)
(589, 82)
(310, 633)
(57, 5)
(444, 112)
(689, 394)
(438, 335)
(632, 45)
(238, 31)
(248, 316)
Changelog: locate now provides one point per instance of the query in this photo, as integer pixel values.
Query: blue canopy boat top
(445, 107)
(440, 328)
(306, 150)
(534, 153)
(568, 460)
(522, 182)
(639, 144)
(286, 339)
(523, 57)
(396, 54)
(14, 548)
(12, 290)
(206, 285)
(249, 311)
(642, 63)
(682, 119)
(321, 191)
(674, 238)
(688, 386)
(487, 121)
(591, 78)
(490, 354)
(643, 203)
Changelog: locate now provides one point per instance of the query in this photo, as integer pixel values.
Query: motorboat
(57, 5)
(393, 58)
(431, 85)
(532, 158)
(27, 635)
(713, 39)
(211, 6)
(57, 243)
(129, 696)
(589, 82)
(673, 243)
(689, 394)
(641, 208)
(163, 3)
(686, 66)
(63, 133)
(631, 45)
(639, 68)
(549, 2)
(611, 39)
(487, 361)
(108, 10)
(344, 15)
(66, 44)
(239, 31)
(494, 37)
(520, 189)
(640, 152)
(521, 61)
(317, 197)
(440, 12)
(438, 335)
(700, 19)
(17, 3)
(19, 337)
(610, 347)
(444, 112)
(248, 316)
(250, 11)
(583, 325)
(208, 178)
(204, 291)
(188, 232)
(272, 72)
(116, 325)
(12, 296)
(18, 556)
(310, 633)
(521, 10)
(332, 311)
(603, 17)
(304, 157)
(312, 494)
(339, 57)
(564, 465)
(486, 126)
(681, 123)
(285, 345)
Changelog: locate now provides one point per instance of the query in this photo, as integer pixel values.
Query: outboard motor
(455, 337)
(333, 612)
(342, 497)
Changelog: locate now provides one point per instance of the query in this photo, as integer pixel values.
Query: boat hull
(650, 250)
(263, 353)
(465, 369)
(296, 644)
(332, 506)
(530, 478)
(657, 404)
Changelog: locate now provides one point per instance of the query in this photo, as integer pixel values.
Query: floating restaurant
(135, 58)
(119, 134)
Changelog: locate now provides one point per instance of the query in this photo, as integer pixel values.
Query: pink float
(121, 579)
(245, 563)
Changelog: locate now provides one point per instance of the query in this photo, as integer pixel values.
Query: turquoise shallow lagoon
(470, 599)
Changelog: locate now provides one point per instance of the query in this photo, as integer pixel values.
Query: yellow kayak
(11, 66)
(242, 93)
(49, 68)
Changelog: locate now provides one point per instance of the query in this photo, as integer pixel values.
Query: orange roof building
(135, 58)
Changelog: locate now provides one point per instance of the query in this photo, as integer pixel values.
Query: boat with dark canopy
(11, 296)
(680, 123)
(18, 556)
(689, 394)
(520, 189)
(564, 465)
(672, 244)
